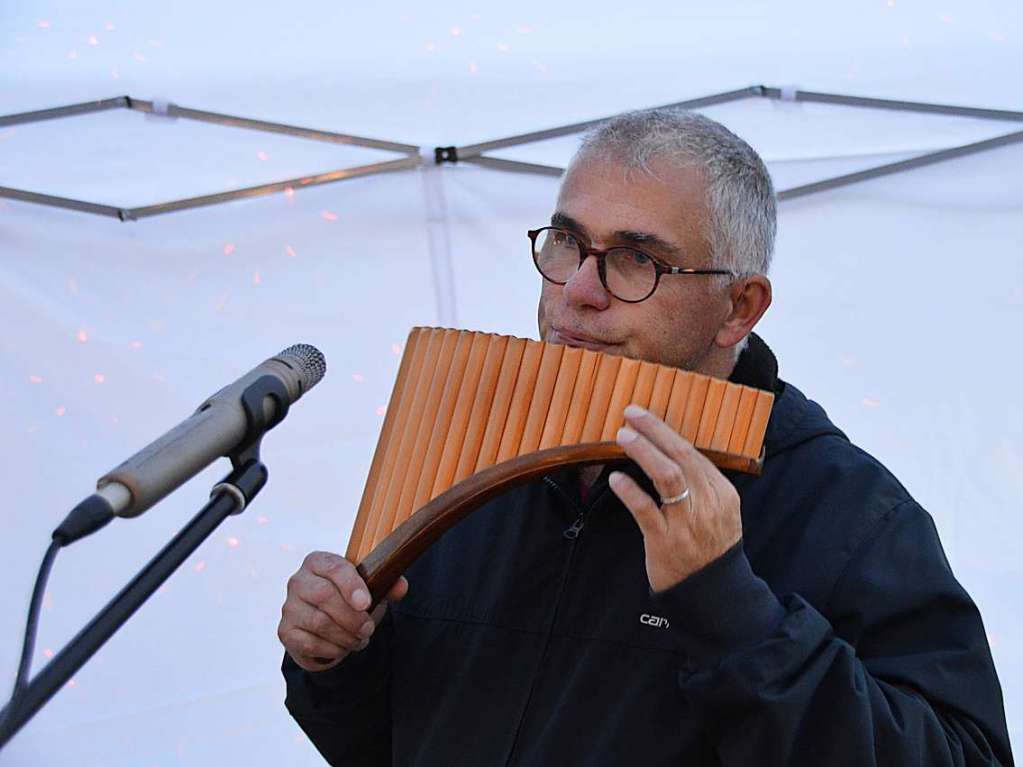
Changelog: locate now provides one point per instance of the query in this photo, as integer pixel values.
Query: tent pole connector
(443, 154)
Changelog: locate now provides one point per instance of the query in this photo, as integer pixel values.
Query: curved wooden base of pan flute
(385, 564)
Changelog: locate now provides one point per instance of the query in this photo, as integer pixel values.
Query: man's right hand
(324, 616)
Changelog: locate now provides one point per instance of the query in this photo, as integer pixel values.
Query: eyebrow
(644, 239)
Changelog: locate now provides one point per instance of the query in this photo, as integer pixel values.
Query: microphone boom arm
(229, 496)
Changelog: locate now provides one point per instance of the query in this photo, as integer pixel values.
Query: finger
(642, 507)
(667, 440)
(342, 574)
(304, 645)
(323, 595)
(308, 618)
(666, 474)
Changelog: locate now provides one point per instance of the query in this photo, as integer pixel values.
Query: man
(664, 612)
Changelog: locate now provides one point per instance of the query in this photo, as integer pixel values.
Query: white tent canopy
(896, 300)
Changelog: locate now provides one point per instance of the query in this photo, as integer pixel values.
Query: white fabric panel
(897, 301)
(165, 316)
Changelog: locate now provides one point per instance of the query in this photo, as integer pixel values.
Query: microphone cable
(31, 628)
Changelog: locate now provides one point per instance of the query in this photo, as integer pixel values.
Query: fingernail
(634, 411)
(367, 629)
(362, 645)
(360, 599)
(625, 435)
(614, 478)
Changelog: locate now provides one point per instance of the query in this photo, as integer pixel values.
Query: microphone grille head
(308, 360)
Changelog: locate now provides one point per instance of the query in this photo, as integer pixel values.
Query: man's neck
(719, 363)
(588, 474)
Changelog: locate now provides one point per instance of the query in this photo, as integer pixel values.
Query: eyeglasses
(628, 274)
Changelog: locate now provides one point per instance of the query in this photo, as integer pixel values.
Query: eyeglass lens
(630, 275)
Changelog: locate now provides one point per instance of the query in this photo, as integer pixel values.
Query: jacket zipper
(577, 527)
(571, 533)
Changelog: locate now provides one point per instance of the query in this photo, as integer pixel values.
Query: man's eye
(564, 239)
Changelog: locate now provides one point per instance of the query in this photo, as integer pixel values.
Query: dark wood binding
(384, 565)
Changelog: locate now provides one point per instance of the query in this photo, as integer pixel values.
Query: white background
(897, 301)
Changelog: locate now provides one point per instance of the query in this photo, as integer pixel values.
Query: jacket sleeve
(898, 673)
(346, 710)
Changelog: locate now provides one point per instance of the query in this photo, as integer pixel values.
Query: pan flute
(472, 414)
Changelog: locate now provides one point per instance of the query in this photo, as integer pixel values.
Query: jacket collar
(757, 366)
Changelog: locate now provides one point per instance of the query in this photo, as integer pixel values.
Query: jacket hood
(794, 418)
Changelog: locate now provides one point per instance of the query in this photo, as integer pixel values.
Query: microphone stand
(229, 496)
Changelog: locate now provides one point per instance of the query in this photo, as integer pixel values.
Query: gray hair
(743, 216)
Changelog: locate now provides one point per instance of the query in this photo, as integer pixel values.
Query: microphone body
(217, 427)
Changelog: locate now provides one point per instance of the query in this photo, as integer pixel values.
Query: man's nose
(584, 288)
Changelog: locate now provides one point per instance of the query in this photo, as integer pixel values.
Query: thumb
(398, 590)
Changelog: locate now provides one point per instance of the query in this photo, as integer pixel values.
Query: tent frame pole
(476, 153)
(410, 158)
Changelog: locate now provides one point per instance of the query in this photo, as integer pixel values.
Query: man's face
(663, 214)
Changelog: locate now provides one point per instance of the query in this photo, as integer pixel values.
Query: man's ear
(750, 297)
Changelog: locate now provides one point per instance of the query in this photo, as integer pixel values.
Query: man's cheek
(542, 314)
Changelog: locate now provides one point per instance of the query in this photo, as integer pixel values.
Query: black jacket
(835, 633)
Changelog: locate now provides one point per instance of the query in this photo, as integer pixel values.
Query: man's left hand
(686, 535)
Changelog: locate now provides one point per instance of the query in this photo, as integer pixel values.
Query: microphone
(220, 426)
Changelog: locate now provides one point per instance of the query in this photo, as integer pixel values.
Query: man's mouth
(572, 339)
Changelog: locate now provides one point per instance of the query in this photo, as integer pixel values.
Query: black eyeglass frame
(585, 251)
